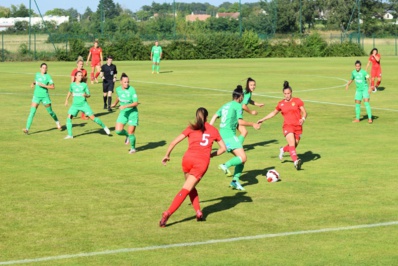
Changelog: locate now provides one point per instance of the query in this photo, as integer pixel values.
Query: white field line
(190, 244)
(254, 94)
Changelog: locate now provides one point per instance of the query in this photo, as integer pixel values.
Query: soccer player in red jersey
(80, 68)
(96, 59)
(294, 115)
(375, 73)
(195, 162)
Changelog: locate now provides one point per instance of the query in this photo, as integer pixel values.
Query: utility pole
(102, 17)
(301, 30)
(240, 18)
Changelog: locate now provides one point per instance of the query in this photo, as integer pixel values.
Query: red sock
(178, 200)
(83, 116)
(293, 154)
(286, 148)
(92, 76)
(378, 83)
(193, 195)
(372, 83)
(97, 74)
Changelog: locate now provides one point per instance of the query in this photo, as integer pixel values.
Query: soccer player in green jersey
(231, 117)
(43, 82)
(361, 78)
(80, 92)
(127, 97)
(247, 99)
(156, 55)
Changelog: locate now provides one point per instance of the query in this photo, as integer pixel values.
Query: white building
(6, 23)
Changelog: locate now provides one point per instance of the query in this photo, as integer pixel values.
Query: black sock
(105, 99)
(109, 101)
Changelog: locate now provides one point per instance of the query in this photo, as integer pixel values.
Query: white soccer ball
(272, 176)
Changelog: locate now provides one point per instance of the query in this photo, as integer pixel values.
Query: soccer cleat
(297, 164)
(157, 72)
(281, 152)
(153, 72)
(224, 169)
(68, 137)
(127, 140)
(131, 151)
(109, 109)
(370, 121)
(374, 90)
(236, 185)
(199, 216)
(165, 217)
(107, 131)
(58, 125)
(355, 121)
(26, 131)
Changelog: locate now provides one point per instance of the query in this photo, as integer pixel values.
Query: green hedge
(216, 46)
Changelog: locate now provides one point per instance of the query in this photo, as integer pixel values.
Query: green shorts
(85, 108)
(156, 59)
(232, 143)
(359, 95)
(129, 117)
(45, 100)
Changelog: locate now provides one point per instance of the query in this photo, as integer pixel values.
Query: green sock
(99, 122)
(368, 109)
(51, 112)
(69, 126)
(238, 171)
(233, 162)
(153, 68)
(132, 140)
(30, 117)
(357, 110)
(241, 139)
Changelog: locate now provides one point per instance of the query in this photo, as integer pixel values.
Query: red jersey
(84, 72)
(200, 144)
(290, 111)
(95, 55)
(375, 64)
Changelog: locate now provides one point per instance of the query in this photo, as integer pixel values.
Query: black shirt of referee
(108, 74)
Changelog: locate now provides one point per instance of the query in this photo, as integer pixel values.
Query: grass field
(87, 201)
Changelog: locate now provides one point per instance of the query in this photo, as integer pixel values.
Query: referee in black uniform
(108, 75)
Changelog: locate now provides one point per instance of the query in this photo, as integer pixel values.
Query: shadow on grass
(250, 177)
(381, 88)
(223, 204)
(54, 128)
(151, 145)
(365, 117)
(306, 157)
(252, 146)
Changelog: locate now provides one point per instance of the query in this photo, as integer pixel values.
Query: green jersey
(126, 97)
(230, 113)
(43, 79)
(247, 96)
(156, 51)
(360, 79)
(78, 91)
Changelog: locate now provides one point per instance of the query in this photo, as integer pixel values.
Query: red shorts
(296, 130)
(194, 166)
(95, 63)
(375, 72)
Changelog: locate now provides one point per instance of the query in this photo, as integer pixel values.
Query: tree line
(264, 17)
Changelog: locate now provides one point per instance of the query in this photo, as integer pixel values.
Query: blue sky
(81, 5)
